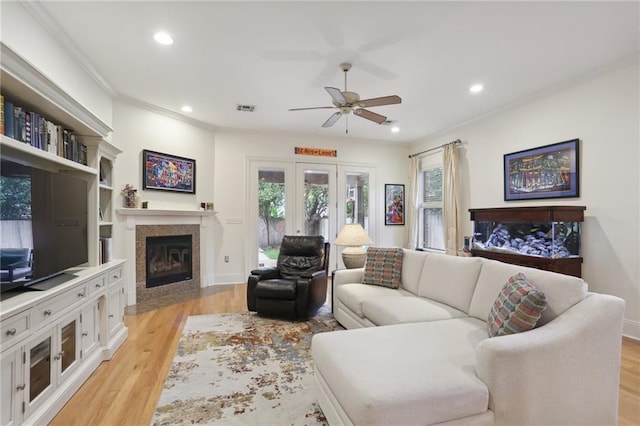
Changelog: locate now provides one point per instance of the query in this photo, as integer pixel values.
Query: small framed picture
(166, 172)
(394, 204)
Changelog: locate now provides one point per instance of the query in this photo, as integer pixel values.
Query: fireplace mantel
(134, 217)
(163, 212)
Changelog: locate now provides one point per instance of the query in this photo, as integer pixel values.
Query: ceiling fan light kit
(347, 102)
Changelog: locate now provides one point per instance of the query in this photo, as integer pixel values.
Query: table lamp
(353, 236)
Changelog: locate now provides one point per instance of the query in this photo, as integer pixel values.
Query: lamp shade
(353, 235)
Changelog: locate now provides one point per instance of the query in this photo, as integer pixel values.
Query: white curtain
(452, 229)
(412, 200)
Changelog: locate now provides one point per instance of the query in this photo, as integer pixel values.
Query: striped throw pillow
(383, 267)
(517, 308)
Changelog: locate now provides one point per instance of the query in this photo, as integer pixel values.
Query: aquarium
(551, 239)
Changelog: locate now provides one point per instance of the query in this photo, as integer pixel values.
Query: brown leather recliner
(297, 286)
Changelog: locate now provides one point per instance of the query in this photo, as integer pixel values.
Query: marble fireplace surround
(143, 293)
(142, 223)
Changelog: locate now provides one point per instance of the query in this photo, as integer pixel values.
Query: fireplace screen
(168, 259)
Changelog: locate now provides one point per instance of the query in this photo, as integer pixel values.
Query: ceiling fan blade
(385, 100)
(370, 115)
(332, 120)
(336, 94)
(304, 109)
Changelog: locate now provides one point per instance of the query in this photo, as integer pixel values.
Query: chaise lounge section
(422, 353)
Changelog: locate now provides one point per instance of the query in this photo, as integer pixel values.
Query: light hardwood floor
(124, 391)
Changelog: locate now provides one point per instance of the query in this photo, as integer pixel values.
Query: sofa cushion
(353, 295)
(420, 373)
(400, 310)
(412, 264)
(383, 267)
(450, 279)
(562, 291)
(517, 308)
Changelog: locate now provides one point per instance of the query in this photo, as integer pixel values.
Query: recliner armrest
(313, 274)
(266, 273)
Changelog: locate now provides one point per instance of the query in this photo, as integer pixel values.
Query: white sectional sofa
(421, 354)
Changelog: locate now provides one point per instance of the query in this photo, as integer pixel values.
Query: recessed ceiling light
(163, 38)
(186, 108)
(395, 129)
(476, 88)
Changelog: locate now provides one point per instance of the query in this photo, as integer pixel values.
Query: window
(430, 218)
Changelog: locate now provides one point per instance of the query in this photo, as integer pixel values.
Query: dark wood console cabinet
(539, 214)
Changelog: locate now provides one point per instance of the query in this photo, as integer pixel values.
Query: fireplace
(168, 259)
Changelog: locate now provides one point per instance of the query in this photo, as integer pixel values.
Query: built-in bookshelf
(76, 141)
(106, 158)
(57, 337)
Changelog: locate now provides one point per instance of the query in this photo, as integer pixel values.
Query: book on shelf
(105, 248)
(8, 120)
(35, 130)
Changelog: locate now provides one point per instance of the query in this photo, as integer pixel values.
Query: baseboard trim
(631, 329)
(230, 279)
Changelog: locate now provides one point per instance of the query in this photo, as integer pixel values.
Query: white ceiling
(280, 55)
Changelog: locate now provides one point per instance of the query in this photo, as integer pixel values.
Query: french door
(306, 198)
(289, 198)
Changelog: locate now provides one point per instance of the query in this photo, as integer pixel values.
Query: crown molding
(163, 111)
(21, 70)
(46, 21)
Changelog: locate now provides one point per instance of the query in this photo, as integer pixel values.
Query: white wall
(235, 147)
(24, 35)
(604, 113)
(136, 129)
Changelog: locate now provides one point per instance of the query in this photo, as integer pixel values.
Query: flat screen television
(46, 213)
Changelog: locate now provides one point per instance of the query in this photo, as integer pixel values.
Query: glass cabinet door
(39, 368)
(68, 346)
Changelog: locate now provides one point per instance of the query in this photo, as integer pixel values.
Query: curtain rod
(456, 142)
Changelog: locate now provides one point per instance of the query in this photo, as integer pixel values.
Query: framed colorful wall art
(393, 204)
(549, 171)
(166, 172)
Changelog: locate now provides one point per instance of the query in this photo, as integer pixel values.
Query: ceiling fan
(347, 102)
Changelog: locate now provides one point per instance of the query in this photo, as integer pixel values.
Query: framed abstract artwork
(393, 204)
(166, 172)
(549, 171)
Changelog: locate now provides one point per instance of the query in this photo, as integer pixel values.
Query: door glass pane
(68, 345)
(40, 368)
(316, 203)
(271, 215)
(357, 199)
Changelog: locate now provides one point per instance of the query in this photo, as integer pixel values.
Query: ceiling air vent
(245, 108)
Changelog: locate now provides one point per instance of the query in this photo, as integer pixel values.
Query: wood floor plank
(126, 389)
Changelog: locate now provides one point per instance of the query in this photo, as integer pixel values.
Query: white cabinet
(53, 340)
(12, 386)
(115, 310)
(52, 357)
(90, 327)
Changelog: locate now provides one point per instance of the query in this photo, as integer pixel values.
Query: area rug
(242, 369)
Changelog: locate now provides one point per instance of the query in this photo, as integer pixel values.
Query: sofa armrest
(565, 372)
(347, 276)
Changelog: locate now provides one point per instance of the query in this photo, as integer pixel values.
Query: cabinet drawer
(46, 311)
(15, 328)
(97, 284)
(115, 275)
